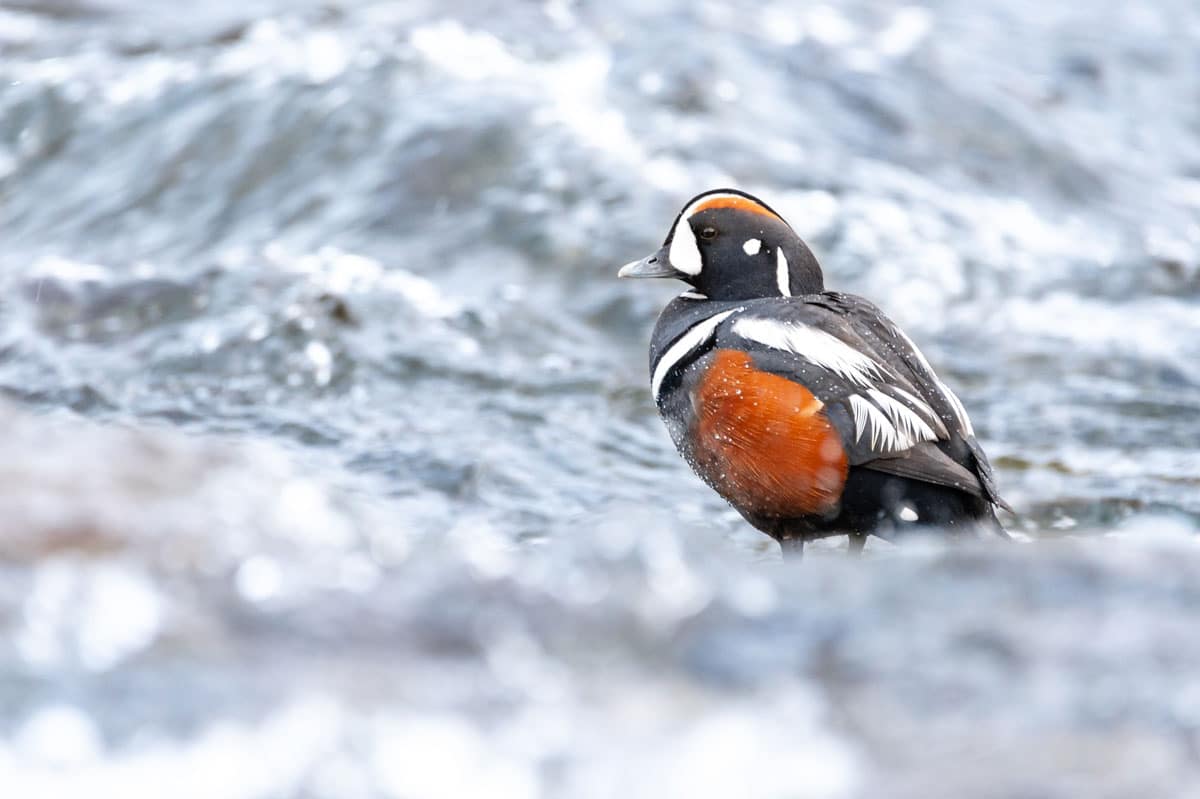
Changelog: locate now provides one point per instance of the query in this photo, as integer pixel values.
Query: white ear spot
(684, 254)
(782, 276)
(751, 246)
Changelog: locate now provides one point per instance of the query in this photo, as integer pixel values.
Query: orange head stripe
(737, 203)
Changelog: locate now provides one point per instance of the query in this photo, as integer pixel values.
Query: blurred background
(329, 466)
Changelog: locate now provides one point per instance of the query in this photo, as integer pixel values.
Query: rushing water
(330, 468)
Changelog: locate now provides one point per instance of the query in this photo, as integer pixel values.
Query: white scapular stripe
(927, 413)
(960, 413)
(694, 295)
(752, 246)
(870, 419)
(882, 431)
(815, 346)
(693, 338)
(910, 427)
(782, 276)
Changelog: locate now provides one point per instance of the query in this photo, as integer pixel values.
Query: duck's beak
(657, 265)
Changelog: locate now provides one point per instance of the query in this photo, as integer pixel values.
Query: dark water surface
(330, 464)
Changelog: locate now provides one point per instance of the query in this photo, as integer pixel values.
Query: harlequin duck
(808, 410)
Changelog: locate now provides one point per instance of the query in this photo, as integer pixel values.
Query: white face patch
(696, 335)
(908, 513)
(751, 246)
(782, 276)
(815, 346)
(684, 254)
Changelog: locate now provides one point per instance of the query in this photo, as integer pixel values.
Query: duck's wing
(892, 411)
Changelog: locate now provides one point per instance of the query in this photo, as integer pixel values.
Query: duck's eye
(708, 233)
